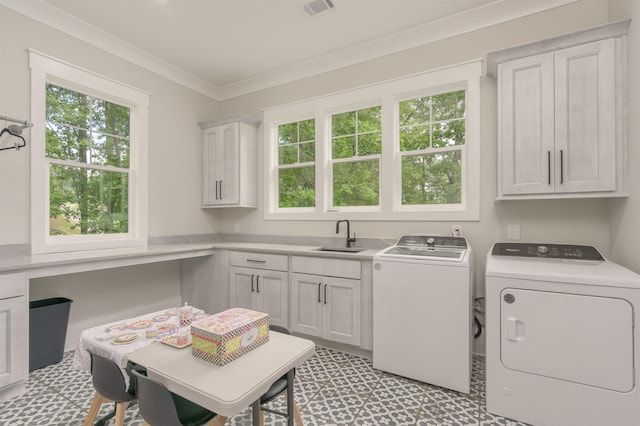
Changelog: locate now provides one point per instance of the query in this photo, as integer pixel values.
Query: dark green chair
(159, 407)
(279, 387)
(110, 386)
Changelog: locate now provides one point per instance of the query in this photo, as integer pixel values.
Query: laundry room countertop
(171, 248)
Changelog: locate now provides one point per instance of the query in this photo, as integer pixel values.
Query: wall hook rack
(14, 130)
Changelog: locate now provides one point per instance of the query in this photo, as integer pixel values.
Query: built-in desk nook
(20, 281)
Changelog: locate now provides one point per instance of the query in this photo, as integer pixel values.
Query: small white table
(229, 389)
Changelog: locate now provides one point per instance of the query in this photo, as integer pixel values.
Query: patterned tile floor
(331, 388)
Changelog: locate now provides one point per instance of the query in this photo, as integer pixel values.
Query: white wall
(109, 295)
(568, 221)
(625, 229)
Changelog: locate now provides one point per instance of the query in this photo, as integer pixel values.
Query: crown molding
(494, 13)
(68, 24)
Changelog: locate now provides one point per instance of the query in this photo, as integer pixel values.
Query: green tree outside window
(432, 133)
(296, 164)
(356, 142)
(87, 144)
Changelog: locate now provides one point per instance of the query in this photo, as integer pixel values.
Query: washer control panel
(550, 251)
(431, 241)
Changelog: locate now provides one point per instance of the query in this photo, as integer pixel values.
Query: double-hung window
(356, 144)
(406, 149)
(431, 135)
(88, 160)
(296, 164)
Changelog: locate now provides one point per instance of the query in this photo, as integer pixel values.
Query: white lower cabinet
(325, 306)
(264, 288)
(14, 320)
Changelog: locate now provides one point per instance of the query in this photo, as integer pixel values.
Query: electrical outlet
(456, 230)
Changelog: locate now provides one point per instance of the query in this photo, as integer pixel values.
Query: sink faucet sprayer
(349, 239)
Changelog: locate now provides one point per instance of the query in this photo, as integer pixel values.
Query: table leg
(290, 378)
(256, 412)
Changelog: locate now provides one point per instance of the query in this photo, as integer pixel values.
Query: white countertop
(42, 265)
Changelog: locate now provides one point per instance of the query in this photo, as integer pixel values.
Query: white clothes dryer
(563, 339)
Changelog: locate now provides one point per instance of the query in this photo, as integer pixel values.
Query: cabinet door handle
(319, 297)
(217, 190)
(561, 166)
(221, 194)
(252, 283)
(549, 167)
(258, 283)
(256, 261)
(325, 294)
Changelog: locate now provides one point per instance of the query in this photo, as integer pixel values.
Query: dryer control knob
(543, 250)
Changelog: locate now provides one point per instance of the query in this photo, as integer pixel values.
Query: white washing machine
(562, 336)
(422, 310)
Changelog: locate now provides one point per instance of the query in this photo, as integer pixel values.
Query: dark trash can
(48, 319)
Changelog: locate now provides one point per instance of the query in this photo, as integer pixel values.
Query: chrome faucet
(349, 239)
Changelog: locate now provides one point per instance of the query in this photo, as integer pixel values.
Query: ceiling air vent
(317, 6)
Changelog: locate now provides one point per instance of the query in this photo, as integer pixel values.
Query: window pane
(76, 144)
(307, 152)
(86, 129)
(432, 178)
(87, 201)
(288, 154)
(110, 118)
(67, 106)
(448, 133)
(344, 147)
(444, 126)
(369, 119)
(448, 105)
(415, 137)
(288, 134)
(415, 111)
(343, 124)
(369, 144)
(297, 187)
(356, 183)
(296, 142)
(307, 130)
(357, 133)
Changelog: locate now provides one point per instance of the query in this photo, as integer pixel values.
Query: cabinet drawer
(276, 262)
(326, 267)
(12, 285)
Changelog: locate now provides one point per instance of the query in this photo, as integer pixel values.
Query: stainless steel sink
(341, 249)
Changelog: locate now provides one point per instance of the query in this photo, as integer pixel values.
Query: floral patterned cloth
(116, 340)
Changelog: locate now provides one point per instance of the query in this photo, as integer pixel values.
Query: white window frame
(329, 155)
(46, 69)
(397, 199)
(388, 94)
(274, 177)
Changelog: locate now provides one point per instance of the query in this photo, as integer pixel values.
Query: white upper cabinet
(561, 116)
(229, 162)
